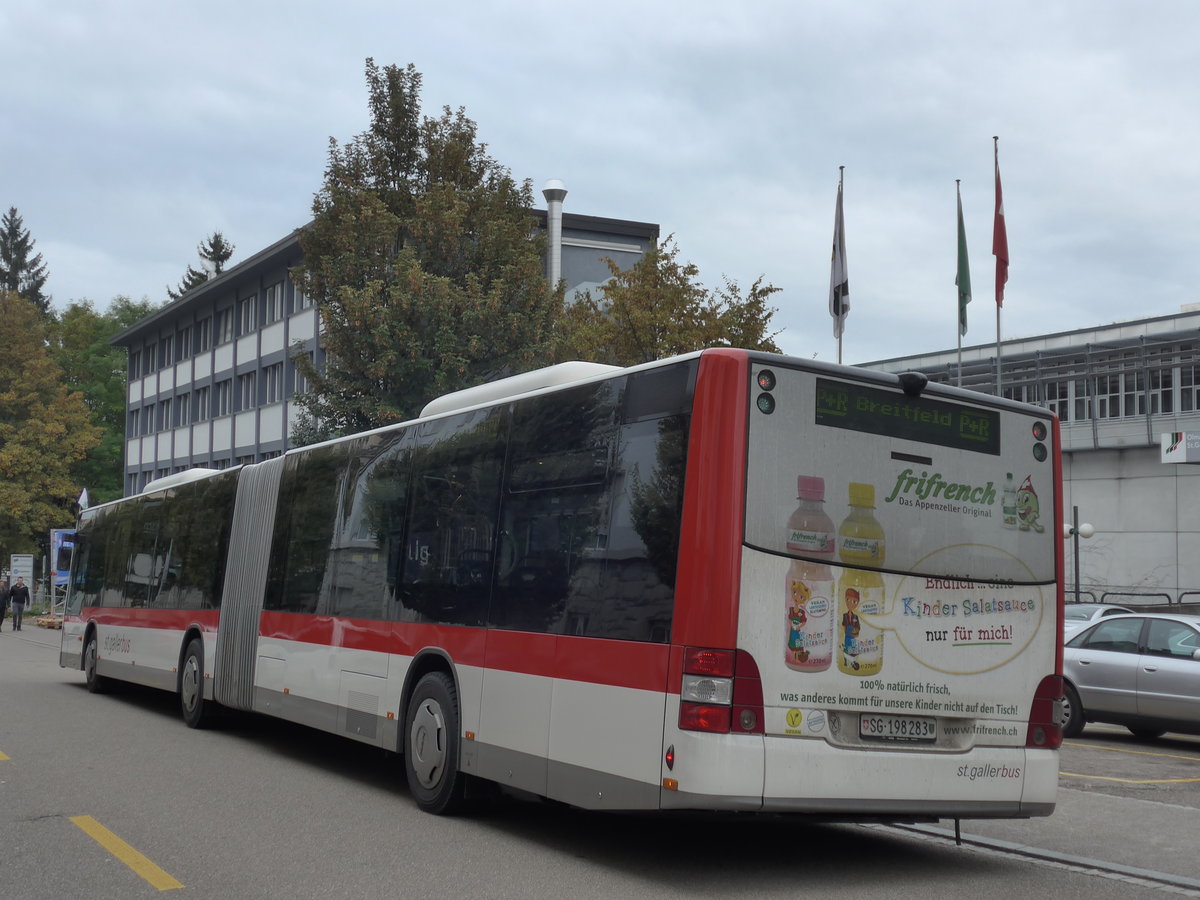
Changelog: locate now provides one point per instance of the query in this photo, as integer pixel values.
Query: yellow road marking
(1133, 780)
(3, 757)
(1135, 752)
(141, 866)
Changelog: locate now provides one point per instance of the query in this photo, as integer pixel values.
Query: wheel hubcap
(427, 744)
(189, 684)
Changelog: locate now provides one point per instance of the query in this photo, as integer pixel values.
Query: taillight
(1045, 715)
(721, 692)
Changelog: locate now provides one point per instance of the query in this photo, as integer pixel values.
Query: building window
(1189, 388)
(183, 342)
(148, 418)
(135, 365)
(247, 315)
(201, 404)
(165, 356)
(183, 410)
(164, 415)
(135, 423)
(302, 301)
(204, 335)
(150, 357)
(223, 400)
(273, 383)
(303, 385)
(224, 325)
(247, 394)
(274, 303)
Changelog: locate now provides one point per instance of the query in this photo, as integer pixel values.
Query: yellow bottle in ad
(861, 545)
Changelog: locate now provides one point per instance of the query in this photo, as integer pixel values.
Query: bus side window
(450, 546)
(635, 598)
(554, 522)
(371, 507)
(304, 525)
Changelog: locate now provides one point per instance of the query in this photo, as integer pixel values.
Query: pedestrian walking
(18, 597)
(3, 601)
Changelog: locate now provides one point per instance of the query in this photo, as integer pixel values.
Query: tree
(420, 259)
(656, 309)
(215, 251)
(21, 272)
(91, 365)
(44, 431)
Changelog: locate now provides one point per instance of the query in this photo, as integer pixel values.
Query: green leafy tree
(657, 308)
(21, 270)
(45, 429)
(420, 259)
(215, 251)
(99, 372)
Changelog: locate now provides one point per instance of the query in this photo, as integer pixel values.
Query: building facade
(212, 377)
(1118, 390)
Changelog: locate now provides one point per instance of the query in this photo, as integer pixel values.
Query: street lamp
(1075, 531)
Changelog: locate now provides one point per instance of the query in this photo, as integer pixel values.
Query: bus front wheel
(197, 712)
(96, 683)
(431, 738)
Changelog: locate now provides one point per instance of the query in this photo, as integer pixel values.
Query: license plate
(897, 728)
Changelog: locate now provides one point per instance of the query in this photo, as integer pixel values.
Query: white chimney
(554, 192)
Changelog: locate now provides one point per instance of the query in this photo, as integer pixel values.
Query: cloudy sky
(132, 129)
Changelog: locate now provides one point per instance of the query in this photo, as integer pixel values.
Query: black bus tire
(96, 684)
(431, 742)
(197, 712)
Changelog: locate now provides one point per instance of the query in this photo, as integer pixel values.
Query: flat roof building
(1124, 393)
(211, 375)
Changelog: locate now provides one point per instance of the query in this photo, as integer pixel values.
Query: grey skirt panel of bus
(245, 583)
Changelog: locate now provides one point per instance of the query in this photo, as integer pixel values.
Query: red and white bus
(725, 581)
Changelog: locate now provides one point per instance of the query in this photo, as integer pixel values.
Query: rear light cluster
(721, 692)
(1045, 715)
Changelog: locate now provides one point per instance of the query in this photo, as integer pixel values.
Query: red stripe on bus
(140, 617)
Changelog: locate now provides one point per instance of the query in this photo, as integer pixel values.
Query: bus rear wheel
(197, 712)
(96, 684)
(431, 740)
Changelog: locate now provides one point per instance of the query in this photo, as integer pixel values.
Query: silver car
(1141, 671)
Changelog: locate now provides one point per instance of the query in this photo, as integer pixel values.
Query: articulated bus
(724, 581)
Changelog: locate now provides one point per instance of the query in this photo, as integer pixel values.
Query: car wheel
(1147, 733)
(1072, 713)
(431, 746)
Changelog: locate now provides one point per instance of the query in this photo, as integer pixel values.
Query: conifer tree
(21, 270)
(215, 251)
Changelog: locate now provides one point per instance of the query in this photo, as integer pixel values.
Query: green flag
(963, 278)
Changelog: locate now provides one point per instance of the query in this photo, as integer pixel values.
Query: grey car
(1141, 671)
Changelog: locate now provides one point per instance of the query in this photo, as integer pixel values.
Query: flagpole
(1000, 251)
(839, 283)
(837, 249)
(961, 311)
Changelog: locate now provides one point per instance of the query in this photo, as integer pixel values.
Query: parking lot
(1108, 759)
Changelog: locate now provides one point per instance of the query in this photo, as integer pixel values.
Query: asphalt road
(113, 797)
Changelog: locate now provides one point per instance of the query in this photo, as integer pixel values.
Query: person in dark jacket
(18, 597)
(3, 601)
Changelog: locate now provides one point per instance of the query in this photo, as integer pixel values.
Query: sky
(133, 129)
